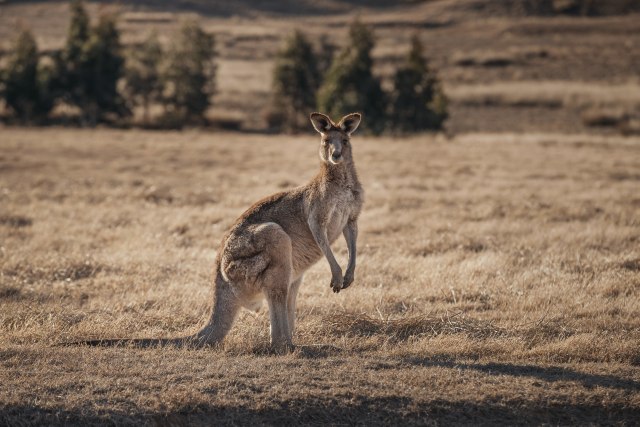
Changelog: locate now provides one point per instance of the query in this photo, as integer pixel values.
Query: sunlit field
(498, 281)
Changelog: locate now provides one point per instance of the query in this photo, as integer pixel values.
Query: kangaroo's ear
(321, 122)
(350, 122)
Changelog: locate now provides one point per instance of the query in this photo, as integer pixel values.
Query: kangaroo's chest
(346, 205)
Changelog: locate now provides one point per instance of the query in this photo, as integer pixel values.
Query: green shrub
(27, 85)
(326, 52)
(104, 68)
(143, 85)
(350, 85)
(418, 102)
(189, 75)
(90, 66)
(70, 63)
(296, 80)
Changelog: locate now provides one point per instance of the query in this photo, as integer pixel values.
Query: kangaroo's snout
(335, 155)
(335, 152)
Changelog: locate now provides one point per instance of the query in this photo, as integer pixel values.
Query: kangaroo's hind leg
(291, 303)
(274, 282)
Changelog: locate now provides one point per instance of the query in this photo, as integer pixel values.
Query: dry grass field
(498, 282)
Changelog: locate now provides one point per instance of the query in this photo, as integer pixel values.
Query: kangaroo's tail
(190, 341)
(223, 314)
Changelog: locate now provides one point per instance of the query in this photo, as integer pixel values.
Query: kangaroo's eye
(345, 141)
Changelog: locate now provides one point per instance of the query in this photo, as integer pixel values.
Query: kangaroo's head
(335, 144)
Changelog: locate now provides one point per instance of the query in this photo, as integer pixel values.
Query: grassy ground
(498, 282)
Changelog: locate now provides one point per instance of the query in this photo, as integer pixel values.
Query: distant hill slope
(495, 57)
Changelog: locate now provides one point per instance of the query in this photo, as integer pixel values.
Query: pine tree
(295, 82)
(78, 33)
(71, 62)
(350, 85)
(326, 52)
(418, 101)
(90, 66)
(142, 75)
(189, 75)
(27, 85)
(103, 66)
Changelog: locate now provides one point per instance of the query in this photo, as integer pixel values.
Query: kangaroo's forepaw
(336, 283)
(348, 280)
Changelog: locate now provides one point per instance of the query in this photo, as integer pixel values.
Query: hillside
(519, 64)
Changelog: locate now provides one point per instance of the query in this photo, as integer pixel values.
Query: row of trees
(91, 74)
(300, 84)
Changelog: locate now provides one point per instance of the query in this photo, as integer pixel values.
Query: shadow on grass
(544, 373)
(360, 410)
(317, 351)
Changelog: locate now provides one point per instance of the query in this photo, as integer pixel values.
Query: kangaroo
(267, 251)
